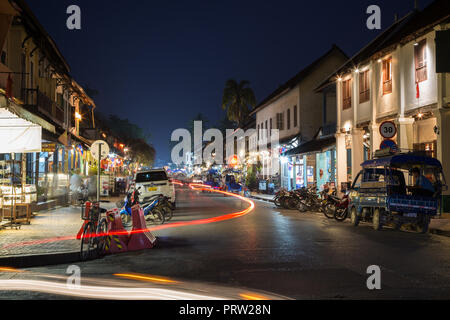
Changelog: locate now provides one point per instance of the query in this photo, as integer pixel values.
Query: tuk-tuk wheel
(354, 217)
(397, 225)
(424, 224)
(377, 219)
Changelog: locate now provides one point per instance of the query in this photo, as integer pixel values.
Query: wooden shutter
(420, 60)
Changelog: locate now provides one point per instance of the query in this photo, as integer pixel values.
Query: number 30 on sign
(388, 130)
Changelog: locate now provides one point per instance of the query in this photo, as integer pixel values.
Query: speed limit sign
(388, 130)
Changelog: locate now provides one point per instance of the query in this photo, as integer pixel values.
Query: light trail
(100, 292)
(253, 296)
(197, 187)
(145, 278)
(11, 270)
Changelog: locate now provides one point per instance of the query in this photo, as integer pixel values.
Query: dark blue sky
(159, 63)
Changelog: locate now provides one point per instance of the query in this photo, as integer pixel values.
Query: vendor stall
(17, 138)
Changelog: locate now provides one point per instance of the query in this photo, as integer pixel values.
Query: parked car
(385, 192)
(153, 182)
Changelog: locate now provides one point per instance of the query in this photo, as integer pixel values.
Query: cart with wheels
(385, 192)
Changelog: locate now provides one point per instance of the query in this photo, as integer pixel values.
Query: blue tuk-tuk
(385, 192)
(231, 184)
(213, 180)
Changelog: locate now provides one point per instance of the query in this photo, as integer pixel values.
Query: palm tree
(238, 100)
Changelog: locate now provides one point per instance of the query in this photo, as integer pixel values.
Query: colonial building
(296, 110)
(396, 78)
(35, 83)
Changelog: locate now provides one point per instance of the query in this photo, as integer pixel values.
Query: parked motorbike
(151, 210)
(341, 213)
(310, 201)
(161, 203)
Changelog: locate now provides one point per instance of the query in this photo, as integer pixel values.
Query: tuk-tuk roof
(403, 161)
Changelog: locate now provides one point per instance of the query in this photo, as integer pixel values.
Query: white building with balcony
(398, 77)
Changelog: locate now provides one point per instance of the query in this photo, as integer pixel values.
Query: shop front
(20, 138)
(311, 164)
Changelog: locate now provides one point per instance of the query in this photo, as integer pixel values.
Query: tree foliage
(142, 152)
(238, 99)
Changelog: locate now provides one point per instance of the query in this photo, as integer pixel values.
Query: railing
(364, 96)
(39, 100)
(347, 103)
(387, 87)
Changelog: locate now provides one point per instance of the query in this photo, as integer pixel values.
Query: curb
(440, 232)
(261, 199)
(40, 260)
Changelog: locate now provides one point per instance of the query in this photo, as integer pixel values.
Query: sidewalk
(440, 227)
(437, 226)
(265, 197)
(50, 232)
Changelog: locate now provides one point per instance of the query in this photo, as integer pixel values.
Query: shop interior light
(420, 115)
(78, 116)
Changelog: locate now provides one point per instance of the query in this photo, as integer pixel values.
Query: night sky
(160, 63)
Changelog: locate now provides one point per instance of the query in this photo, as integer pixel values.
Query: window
(289, 119)
(267, 127)
(271, 126)
(31, 74)
(347, 94)
(258, 132)
(364, 89)
(387, 76)
(23, 64)
(280, 120)
(420, 59)
(151, 176)
(3, 57)
(295, 117)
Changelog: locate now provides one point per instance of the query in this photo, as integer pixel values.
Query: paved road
(301, 256)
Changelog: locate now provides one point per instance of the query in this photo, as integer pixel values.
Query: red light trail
(161, 227)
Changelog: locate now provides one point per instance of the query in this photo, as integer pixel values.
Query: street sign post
(388, 130)
(100, 151)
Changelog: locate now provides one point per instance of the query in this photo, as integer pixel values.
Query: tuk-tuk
(385, 192)
(213, 180)
(231, 185)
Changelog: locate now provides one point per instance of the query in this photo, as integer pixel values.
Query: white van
(152, 182)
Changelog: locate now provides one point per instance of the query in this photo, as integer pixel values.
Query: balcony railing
(347, 103)
(364, 96)
(39, 100)
(387, 86)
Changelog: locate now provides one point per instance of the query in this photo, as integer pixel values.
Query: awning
(317, 145)
(18, 135)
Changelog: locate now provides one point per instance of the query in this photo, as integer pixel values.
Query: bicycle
(93, 239)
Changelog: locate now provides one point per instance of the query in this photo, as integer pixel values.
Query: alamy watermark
(73, 22)
(207, 148)
(374, 20)
(74, 279)
(374, 281)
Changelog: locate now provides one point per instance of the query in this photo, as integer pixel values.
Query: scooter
(150, 210)
(341, 212)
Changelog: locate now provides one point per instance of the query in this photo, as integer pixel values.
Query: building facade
(395, 78)
(296, 111)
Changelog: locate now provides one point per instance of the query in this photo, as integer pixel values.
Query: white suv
(154, 182)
